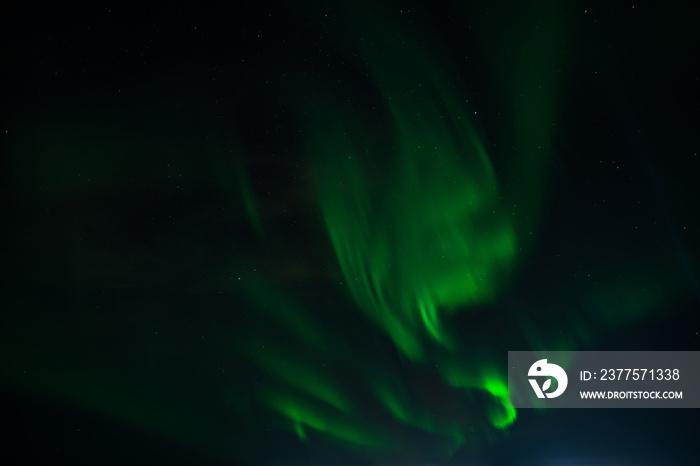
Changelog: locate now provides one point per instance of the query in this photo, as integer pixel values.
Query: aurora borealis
(310, 233)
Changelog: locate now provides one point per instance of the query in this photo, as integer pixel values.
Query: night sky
(310, 232)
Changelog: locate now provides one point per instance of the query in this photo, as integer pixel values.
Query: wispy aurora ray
(424, 234)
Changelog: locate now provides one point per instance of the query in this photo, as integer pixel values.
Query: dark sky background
(239, 234)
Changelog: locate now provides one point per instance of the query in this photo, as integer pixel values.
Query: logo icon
(542, 368)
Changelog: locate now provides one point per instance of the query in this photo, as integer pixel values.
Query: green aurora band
(419, 228)
(431, 235)
(423, 226)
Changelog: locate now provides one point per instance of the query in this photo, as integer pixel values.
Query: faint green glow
(289, 363)
(395, 406)
(249, 200)
(395, 398)
(301, 375)
(448, 430)
(282, 311)
(105, 392)
(299, 429)
(621, 302)
(339, 427)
